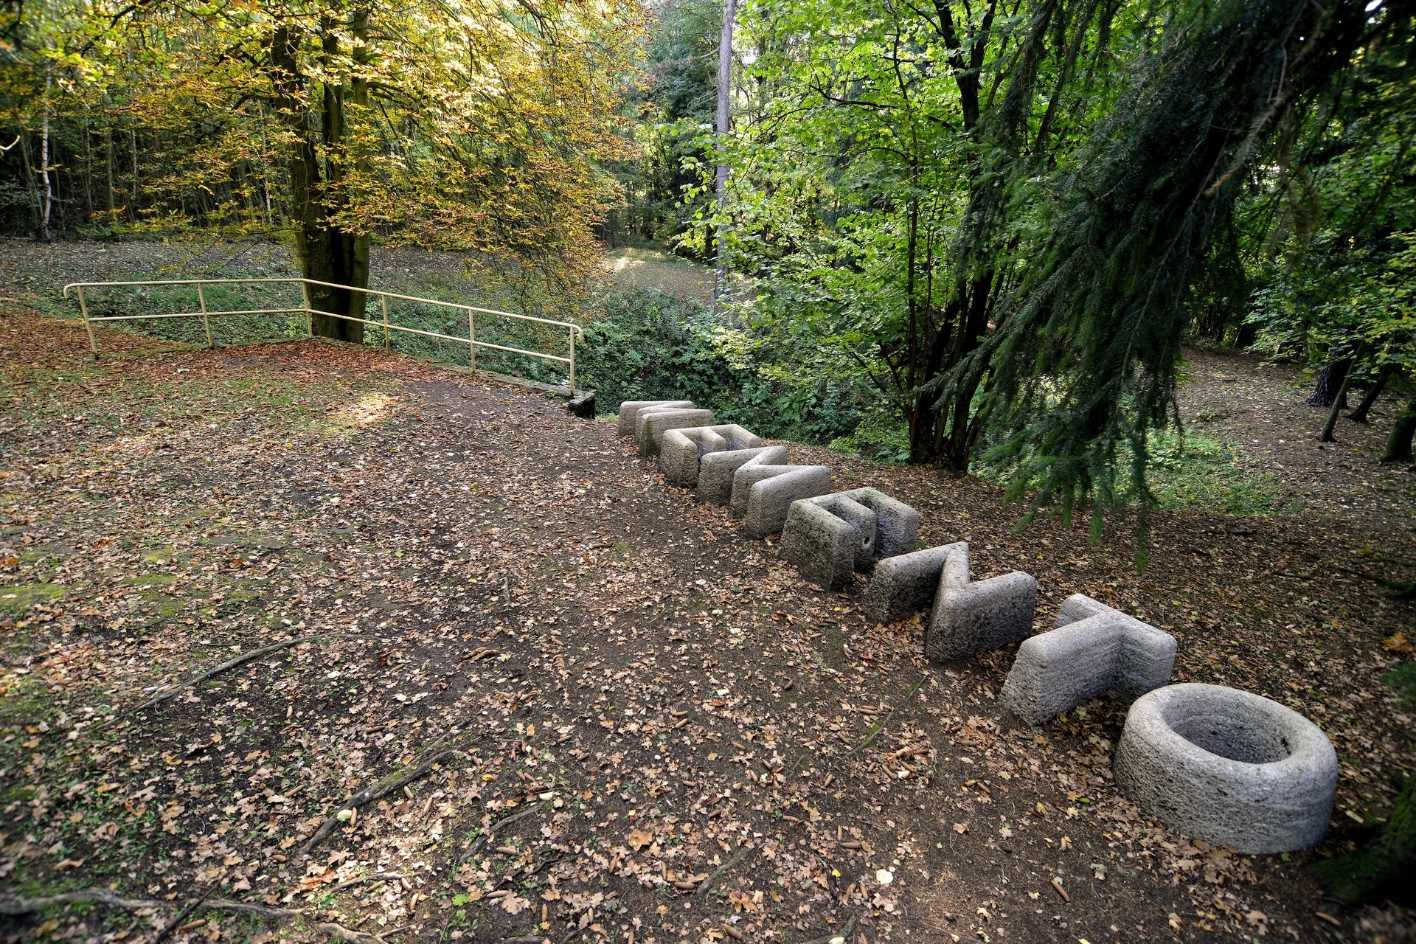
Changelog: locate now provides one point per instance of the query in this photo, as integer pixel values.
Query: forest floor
(617, 718)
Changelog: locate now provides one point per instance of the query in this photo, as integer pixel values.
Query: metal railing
(206, 315)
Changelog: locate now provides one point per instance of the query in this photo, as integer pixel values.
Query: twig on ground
(102, 896)
(483, 839)
(705, 885)
(228, 665)
(880, 725)
(378, 791)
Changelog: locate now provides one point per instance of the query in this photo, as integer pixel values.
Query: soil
(1263, 408)
(686, 741)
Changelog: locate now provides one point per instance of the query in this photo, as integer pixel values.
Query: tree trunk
(46, 203)
(1330, 381)
(1339, 402)
(725, 82)
(1399, 445)
(1359, 415)
(327, 253)
(1383, 868)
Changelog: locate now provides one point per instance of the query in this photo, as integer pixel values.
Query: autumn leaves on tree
(476, 125)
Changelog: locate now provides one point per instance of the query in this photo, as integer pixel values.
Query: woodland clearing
(627, 721)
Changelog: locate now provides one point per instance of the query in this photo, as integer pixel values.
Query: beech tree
(471, 124)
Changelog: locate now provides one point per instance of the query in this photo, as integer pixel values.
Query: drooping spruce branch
(1084, 361)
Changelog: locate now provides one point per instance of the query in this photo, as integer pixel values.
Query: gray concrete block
(904, 583)
(764, 491)
(827, 538)
(629, 411)
(830, 536)
(971, 617)
(1229, 767)
(716, 470)
(1092, 649)
(681, 450)
(651, 423)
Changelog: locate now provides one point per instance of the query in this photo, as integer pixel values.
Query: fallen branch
(226, 666)
(880, 725)
(377, 792)
(102, 896)
(732, 863)
(486, 837)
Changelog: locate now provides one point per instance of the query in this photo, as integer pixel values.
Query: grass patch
(1403, 679)
(1198, 471)
(17, 598)
(1190, 472)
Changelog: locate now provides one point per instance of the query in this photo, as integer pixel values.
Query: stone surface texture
(681, 450)
(831, 536)
(977, 616)
(763, 491)
(717, 469)
(1229, 767)
(904, 583)
(1092, 649)
(650, 425)
(629, 411)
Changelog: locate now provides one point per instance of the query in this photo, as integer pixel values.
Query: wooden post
(384, 300)
(571, 382)
(88, 325)
(206, 319)
(472, 342)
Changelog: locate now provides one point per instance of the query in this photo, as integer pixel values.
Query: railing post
(384, 299)
(88, 325)
(206, 318)
(472, 342)
(572, 363)
(309, 317)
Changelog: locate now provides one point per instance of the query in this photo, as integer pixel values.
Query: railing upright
(83, 309)
(206, 318)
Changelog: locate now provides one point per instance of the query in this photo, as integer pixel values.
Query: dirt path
(1263, 409)
(685, 741)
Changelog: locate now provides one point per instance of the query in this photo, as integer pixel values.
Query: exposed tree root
(102, 896)
(844, 935)
(346, 934)
(378, 791)
(226, 666)
(707, 884)
(483, 839)
(879, 725)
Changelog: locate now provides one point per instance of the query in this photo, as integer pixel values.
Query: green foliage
(645, 344)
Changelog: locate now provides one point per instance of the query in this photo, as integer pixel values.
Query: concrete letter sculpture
(629, 411)
(830, 536)
(904, 583)
(971, 617)
(1229, 767)
(651, 423)
(716, 470)
(764, 490)
(681, 450)
(1092, 649)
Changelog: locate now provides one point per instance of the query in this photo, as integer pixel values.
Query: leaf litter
(512, 686)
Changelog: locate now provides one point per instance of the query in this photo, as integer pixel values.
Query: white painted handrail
(206, 315)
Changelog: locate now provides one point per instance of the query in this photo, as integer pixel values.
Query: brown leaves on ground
(644, 703)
